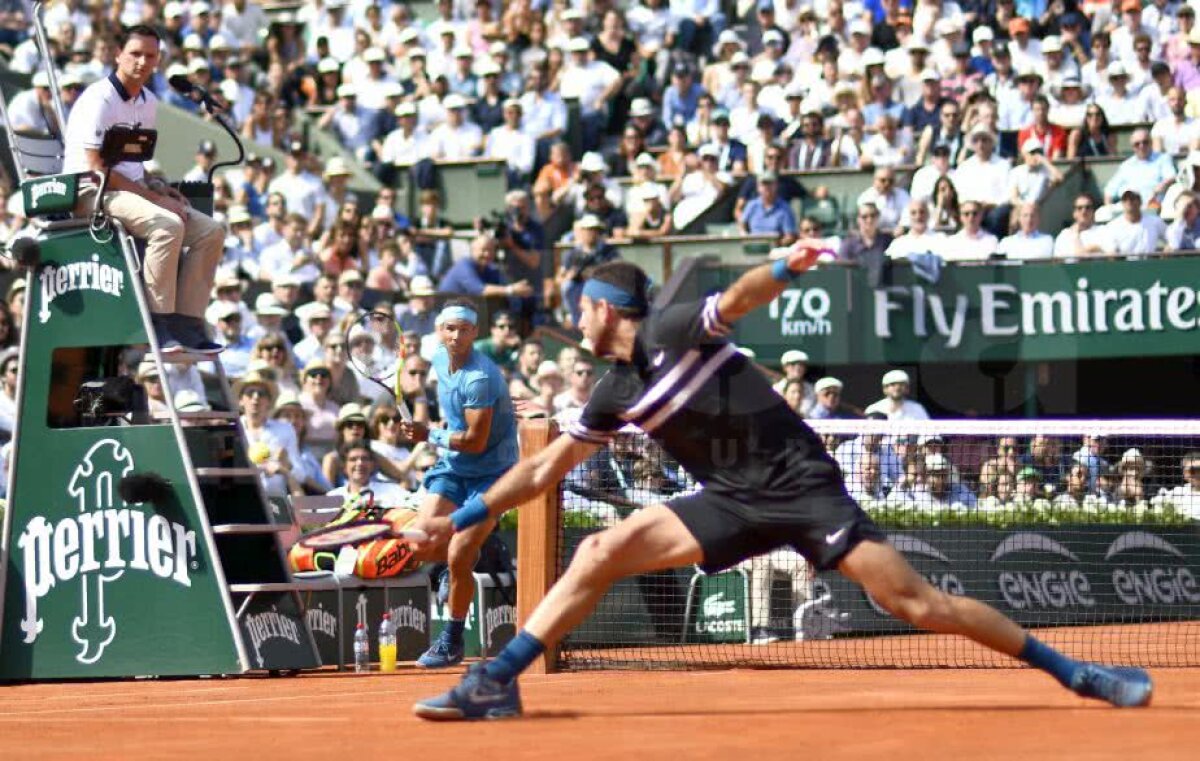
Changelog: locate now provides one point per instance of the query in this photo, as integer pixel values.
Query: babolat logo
(78, 276)
(268, 625)
(408, 616)
(97, 546)
(716, 619)
(1058, 588)
(48, 187)
(911, 546)
(1163, 583)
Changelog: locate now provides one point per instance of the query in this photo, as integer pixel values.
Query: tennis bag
(377, 558)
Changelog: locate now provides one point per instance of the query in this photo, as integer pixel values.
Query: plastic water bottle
(362, 650)
(387, 644)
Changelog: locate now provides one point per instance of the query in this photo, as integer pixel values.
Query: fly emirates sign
(1005, 310)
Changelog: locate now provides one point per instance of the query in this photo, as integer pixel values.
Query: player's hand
(414, 431)
(438, 531)
(804, 253)
(522, 288)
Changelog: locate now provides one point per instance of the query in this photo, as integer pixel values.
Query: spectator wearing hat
(1147, 173)
(316, 397)
(1132, 26)
(732, 155)
(418, 314)
(590, 251)
(32, 111)
(457, 138)
(983, 178)
(352, 124)
(645, 175)
(488, 109)
(1122, 105)
(156, 396)
(1187, 71)
(300, 188)
(15, 298)
(238, 346)
(896, 404)
(768, 213)
(925, 112)
(829, 406)
(353, 465)
(336, 195)
(288, 409)
(1056, 64)
(316, 320)
(594, 84)
(351, 286)
(269, 313)
(681, 98)
(795, 364)
(272, 443)
(1017, 112)
(787, 188)
(697, 190)
(1070, 105)
(1032, 180)
(1028, 242)
(652, 218)
(1134, 231)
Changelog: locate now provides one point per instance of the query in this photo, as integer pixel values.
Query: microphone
(184, 86)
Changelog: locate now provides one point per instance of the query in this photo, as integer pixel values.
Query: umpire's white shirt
(103, 104)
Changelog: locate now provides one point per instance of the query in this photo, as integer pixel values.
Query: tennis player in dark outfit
(768, 483)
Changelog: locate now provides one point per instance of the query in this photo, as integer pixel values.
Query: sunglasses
(386, 419)
(256, 393)
(320, 374)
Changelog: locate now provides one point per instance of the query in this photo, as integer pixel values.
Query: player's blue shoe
(477, 696)
(1122, 686)
(444, 652)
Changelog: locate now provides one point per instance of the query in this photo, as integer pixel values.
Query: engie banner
(1039, 576)
(1026, 311)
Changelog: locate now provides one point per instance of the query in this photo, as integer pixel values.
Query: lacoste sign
(96, 547)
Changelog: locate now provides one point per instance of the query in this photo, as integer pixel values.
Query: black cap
(207, 148)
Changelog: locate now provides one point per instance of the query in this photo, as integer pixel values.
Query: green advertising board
(1032, 311)
(100, 580)
(718, 608)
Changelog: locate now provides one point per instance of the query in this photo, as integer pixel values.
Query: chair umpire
(183, 246)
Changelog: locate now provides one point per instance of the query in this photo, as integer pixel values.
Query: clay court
(892, 714)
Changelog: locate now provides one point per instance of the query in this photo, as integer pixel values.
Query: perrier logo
(48, 195)
(97, 546)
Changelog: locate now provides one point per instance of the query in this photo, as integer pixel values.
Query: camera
(107, 401)
(496, 223)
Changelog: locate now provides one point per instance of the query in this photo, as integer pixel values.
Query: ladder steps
(251, 528)
(226, 472)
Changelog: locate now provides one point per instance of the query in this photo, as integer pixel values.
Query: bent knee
(921, 605)
(597, 555)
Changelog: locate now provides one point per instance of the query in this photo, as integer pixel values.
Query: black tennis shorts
(821, 525)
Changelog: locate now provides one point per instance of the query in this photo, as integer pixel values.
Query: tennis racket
(381, 358)
(357, 532)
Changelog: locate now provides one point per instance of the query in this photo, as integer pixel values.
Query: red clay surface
(890, 715)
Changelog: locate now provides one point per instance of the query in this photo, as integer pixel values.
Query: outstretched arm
(762, 284)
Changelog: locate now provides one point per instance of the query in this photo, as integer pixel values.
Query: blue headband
(619, 297)
(457, 313)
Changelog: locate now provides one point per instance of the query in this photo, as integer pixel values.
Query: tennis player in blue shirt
(477, 445)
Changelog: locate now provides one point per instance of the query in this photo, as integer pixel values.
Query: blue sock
(1048, 659)
(515, 657)
(455, 628)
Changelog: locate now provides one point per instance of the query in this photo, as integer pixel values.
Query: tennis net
(1085, 531)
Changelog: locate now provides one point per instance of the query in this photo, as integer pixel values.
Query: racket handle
(402, 407)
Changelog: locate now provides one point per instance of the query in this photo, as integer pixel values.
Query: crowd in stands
(959, 111)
